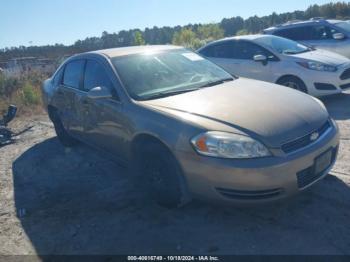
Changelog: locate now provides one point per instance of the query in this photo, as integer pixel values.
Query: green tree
(138, 38)
(186, 38)
(210, 32)
(232, 25)
(192, 35)
(242, 32)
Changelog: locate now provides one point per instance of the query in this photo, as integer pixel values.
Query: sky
(41, 22)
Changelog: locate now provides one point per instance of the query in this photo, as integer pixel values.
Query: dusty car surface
(189, 128)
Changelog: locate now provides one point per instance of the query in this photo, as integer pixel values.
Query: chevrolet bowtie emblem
(314, 136)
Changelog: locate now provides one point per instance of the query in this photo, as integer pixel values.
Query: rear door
(221, 53)
(104, 122)
(70, 90)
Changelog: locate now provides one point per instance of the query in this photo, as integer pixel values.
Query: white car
(282, 61)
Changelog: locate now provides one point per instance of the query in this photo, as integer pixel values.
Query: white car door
(237, 58)
(244, 54)
(221, 54)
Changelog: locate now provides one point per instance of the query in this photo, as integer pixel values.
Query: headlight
(318, 66)
(228, 145)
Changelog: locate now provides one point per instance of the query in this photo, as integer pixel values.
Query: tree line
(191, 35)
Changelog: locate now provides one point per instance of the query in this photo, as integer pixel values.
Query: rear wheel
(159, 174)
(61, 132)
(293, 82)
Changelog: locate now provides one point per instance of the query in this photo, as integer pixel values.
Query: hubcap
(155, 177)
(292, 85)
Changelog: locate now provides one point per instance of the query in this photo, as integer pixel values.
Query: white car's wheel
(293, 82)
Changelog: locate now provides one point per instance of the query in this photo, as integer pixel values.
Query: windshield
(171, 72)
(344, 25)
(282, 45)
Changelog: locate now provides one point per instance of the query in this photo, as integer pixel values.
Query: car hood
(323, 56)
(271, 113)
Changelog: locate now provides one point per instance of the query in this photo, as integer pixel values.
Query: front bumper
(315, 80)
(255, 180)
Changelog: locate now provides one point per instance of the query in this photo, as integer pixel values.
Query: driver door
(321, 36)
(104, 121)
(244, 53)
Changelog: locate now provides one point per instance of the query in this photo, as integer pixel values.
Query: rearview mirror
(99, 93)
(338, 36)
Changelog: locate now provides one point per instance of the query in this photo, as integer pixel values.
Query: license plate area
(321, 164)
(323, 161)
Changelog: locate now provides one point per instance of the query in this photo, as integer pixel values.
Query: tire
(159, 176)
(293, 82)
(62, 134)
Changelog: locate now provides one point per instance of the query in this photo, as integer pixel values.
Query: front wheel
(293, 82)
(160, 175)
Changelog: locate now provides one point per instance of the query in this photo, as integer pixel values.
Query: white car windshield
(282, 45)
(344, 25)
(154, 75)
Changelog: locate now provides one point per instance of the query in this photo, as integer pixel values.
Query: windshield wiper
(169, 93)
(217, 82)
(177, 92)
(291, 52)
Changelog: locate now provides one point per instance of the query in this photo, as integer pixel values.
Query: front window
(344, 25)
(282, 45)
(160, 74)
(95, 76)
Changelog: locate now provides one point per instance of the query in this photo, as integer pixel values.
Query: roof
(334, 21)
(301, 22)
(123, 51)
(244, 37)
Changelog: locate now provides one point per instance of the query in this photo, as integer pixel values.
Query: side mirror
(99, 93)
(338, 36)
(260, 58)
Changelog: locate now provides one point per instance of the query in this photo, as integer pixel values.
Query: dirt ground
(75, 201)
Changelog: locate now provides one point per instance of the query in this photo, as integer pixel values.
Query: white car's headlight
(228, 145)
(318, 66)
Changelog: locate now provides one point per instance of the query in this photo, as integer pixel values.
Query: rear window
(73, 73)
(219, 50)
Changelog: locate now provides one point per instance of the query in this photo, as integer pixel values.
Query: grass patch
(31, 95)
(24, 92)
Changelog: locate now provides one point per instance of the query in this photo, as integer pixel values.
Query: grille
(346, 86)
(249, 195)
(323, 86)
(345, 74)
(305, 140)
(308, 176)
